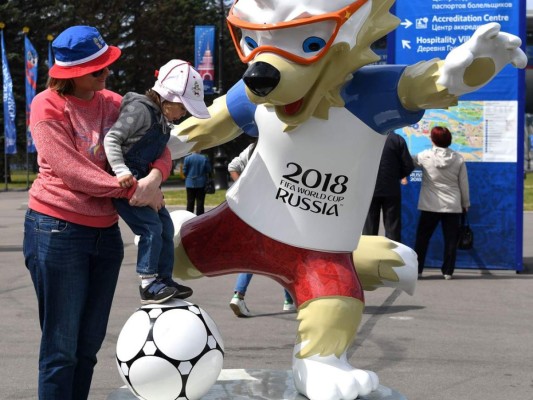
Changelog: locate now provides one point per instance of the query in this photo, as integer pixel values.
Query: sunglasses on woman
(98, 73)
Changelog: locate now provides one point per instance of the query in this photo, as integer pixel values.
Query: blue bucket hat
(80, 50)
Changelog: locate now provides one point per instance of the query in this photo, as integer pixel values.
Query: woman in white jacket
(443, 198)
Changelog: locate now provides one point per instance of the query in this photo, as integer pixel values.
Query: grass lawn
(19, 180)
(179, 196)
(528, 192)
(172, 197)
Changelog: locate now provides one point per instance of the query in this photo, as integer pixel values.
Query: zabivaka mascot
(297, 212)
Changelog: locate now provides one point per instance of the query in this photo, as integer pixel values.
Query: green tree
(149, 33)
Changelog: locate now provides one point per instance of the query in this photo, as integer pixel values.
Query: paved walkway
(468, 339)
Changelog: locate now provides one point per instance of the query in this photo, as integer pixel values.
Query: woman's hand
(148, 192)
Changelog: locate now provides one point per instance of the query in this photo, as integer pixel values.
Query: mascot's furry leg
(321, 371)
(328, 325)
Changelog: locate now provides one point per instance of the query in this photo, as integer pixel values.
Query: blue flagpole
(31, 60)
(50, 51)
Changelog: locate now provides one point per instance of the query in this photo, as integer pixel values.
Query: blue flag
(204, 59)
(30, 61)
(10, 131)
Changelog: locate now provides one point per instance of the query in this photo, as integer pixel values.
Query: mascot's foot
(383, 262)
(331, 378)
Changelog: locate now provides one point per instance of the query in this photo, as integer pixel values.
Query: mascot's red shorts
(220, 243)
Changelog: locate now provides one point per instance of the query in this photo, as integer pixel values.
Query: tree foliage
(149, 34)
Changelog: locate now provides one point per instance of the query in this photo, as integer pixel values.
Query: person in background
(395, 165)
(196, 168)
(133, 143)
(237, 303)
(444, 196)
(72, 245)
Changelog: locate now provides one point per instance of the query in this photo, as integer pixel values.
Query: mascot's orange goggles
(308, 40)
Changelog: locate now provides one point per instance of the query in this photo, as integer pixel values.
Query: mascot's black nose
(261, 78)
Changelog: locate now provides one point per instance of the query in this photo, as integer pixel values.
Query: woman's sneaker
(156, 292)
(182, 292)
(238, 306)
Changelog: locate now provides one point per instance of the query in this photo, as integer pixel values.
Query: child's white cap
(178, 82)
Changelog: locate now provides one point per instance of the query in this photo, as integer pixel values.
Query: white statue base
(263, 384)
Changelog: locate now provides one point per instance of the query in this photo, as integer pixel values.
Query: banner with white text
(204, 57)
(487, 128)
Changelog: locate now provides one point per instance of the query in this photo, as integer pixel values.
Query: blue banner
(30, 61)
(432, 28)
(204, 59)
(487, 128)
(10, 141)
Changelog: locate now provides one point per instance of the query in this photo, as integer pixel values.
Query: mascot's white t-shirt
(311, 187)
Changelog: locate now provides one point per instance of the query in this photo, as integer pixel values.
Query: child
(137, 138)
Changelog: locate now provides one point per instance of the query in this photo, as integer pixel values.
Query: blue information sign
(487, 128)
(432, 28)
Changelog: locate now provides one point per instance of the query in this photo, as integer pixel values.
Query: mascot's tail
(383, 262)
(183, 267)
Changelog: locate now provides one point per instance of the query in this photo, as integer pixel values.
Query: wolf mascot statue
(297, 212)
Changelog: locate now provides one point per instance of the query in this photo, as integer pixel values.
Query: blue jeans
(155, 254)
(74, 270)
(243, 280)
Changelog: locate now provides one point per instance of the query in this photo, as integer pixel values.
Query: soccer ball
(170, 351)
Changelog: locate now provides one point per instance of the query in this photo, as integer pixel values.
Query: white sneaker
(239, 307)
(288, 306)
(447, 277)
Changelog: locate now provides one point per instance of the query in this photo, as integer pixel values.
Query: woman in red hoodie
(72, 242)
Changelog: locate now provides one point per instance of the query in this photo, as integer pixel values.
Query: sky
(529, 5)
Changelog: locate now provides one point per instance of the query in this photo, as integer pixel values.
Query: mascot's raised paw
(476, 62)
(332, 378)
(383, 262)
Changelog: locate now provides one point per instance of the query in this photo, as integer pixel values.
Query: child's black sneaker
(156, 292)
(182, 292)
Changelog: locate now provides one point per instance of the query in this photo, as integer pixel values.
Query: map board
(487, 128)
